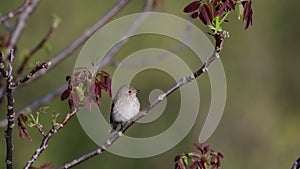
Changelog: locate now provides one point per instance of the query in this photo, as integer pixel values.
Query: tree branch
(37, 103)
(112, 52)
(6, 24)
(59, 90)
(15, 12)
(82, 38)
(219, 37)
(21, 24)
(47, 137)
(7, 74)
(31, 74)
(77, 42)
(36, 48)
(66, 52)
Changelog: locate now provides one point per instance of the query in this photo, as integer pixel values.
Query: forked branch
(219, 37)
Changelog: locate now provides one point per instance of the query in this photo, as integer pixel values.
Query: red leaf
(104, 73)
(46, 166)
(205, 15)
(204, 159)
(98, 89)
(220, 155)
(192, 7)
(221, 10)
(65, 95)
(247, 15)
(22, 128)
(206, 148)
(195, 15)
(231, 4)
(199, 147)
(195, 164)
(104, 82)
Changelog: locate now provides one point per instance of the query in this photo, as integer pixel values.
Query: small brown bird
(124, 107)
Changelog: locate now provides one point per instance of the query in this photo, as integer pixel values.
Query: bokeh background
(260, 124)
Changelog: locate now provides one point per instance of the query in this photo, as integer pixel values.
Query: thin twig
(41, 130)
(26, 9)
(151, 60)
(37, 103)
(7, 74)
(29, 6)
(15, 12)
(6, 24)
(35, 49)
(31, 74)
(47, 137)
(59, 90)
(74, 45)
(218, 47)
(112, 52)
(83, 37)
(71, 48)
(21, 25)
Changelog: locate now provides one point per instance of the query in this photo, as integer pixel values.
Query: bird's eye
(129, 91)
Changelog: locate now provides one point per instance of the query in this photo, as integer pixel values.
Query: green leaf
(185, 160)
(54, 119)
(44, 109)
(240, 10)
(80, 91)
(56, 19)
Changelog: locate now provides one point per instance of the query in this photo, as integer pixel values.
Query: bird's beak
(138, 91)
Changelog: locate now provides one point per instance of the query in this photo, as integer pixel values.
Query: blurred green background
(260, 124)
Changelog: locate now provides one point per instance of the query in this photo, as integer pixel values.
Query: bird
(125, 106)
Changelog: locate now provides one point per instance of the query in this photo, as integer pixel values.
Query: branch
(7, 74)
(36, 48)
(83, 37)
(67, 52)
(26, 9)
(153, 59)
(41, 130)
(37, 103)
(15, 12)
(150, 60)
(47, 137)
(31, 74)
(220, 36)
(59, 90)
(112, 52)
(21, 24)
(296, 165)
(6, 24)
